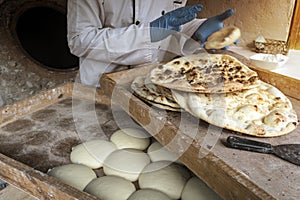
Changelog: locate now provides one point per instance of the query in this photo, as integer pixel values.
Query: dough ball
(148, 194)
(166, 177)
(157, 152)
(110, 188)
(75, 175)
(196, 189)
(92, 153)
(130, 138)
(126, 163)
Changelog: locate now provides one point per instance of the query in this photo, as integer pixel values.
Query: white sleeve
(88, 39)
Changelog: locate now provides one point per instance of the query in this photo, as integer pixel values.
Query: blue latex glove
(172, 21)
(210, 26)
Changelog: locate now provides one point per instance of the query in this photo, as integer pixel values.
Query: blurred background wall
(269, 18)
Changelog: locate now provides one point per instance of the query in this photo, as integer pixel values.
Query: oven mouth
(41, 33)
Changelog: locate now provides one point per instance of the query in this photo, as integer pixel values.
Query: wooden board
(11, 192)
(37, 134)
(233, 174)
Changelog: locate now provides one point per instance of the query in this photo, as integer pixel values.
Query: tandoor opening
(42, 33)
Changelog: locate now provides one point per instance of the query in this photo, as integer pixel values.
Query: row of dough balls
(128, 157)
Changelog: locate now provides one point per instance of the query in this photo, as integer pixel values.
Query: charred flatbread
(263, 111)
(205, 73)
(155, 95)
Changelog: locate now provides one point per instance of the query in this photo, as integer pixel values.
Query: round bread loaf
(166, 177)
(157, 152)
(126, 163)
(110, 188)
(130, 138)
(148, 194)
(75, 175)
(92, 153)
(196, 189)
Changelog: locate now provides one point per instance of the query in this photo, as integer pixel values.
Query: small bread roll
(92, 153)
(196, 189)
(223, 38)
(126, 163)
(110, 188)
(130, 138)
(165, 176)
(148, 194)
(75, 175)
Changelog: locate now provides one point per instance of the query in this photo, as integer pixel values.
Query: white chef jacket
(107, 34)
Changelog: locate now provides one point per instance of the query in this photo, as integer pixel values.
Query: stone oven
(33, 48)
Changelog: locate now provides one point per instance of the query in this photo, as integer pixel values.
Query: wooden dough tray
(38, 133)
(232, 173)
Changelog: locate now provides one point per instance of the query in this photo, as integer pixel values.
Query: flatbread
(205, 73)
(155, 95)
(263, 111)
(222, 38)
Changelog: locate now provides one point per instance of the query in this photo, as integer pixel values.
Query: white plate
(268, 61)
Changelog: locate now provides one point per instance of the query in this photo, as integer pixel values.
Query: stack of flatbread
(220, 90)
(153, 94)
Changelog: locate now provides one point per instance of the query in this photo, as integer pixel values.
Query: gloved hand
(172, 21)
(210, 26)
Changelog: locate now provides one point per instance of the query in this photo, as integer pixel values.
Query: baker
(109, 34)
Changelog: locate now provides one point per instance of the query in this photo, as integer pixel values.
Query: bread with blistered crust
(205, 73)
(263, 111)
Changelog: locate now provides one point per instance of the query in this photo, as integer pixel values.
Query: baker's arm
(210, 26)
(88, 39)
(172, 21)
(131, 45)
